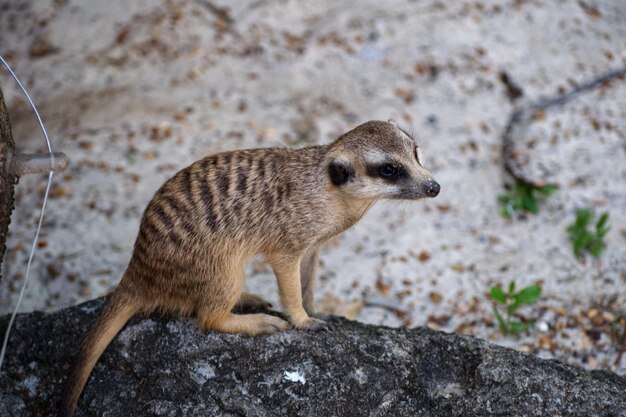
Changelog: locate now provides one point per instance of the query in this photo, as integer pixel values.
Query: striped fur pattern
(204, 223)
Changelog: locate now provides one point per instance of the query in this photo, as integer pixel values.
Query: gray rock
(165, 366)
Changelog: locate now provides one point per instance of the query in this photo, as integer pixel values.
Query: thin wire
(43, 209)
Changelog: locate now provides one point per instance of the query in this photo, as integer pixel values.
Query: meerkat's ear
(393, 122)
(340, 172)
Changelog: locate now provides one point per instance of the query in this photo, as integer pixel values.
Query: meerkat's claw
(321, 316)
(272, 324)
(313, 324)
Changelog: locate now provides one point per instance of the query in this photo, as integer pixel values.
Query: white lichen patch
(89, 308)
(295, 376)
(449, 390)
(172, 327)
(30, 383)
(130, 333)
(360, 376)
(201, 372)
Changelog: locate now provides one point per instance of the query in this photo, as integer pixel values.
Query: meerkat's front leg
(308, 276)
(287, 270)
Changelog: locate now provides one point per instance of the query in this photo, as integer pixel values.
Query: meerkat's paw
(314, 324)
(272, 324)
(320, 316)
(324, 316)
(250, 324)
(249, 301)
(264, 324)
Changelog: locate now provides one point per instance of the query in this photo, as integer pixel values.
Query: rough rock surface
(160, 366)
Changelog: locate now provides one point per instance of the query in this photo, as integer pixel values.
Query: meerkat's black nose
(432, 188)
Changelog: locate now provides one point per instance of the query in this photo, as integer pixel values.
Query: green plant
(506, 304)
(618, 334)
(585, 240)
(523, 197)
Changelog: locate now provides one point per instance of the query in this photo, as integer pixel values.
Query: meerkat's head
(379, 160)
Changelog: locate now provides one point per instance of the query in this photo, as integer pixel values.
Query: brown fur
(204, 223)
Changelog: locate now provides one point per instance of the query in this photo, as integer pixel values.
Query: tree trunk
(7, 177)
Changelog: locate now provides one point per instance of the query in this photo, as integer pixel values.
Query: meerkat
(204, 223)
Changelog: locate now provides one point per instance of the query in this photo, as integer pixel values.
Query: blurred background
(134, 91)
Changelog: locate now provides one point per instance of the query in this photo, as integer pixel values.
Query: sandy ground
(134, 91)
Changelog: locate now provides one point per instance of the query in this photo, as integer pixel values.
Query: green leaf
(584, 240)
(504, 198)
(522, 196)
(596, 248)
(501, 323)
(528, 295)
(498, 294)
(602, 232)
(517, 327)
(546, 190)
(511, 287)
(602, 228)
(578, 247)
(602, 221)
(518, 202)
(530, 204)
(575, 232)
(583, 217)
(506, 211)
(512, 308)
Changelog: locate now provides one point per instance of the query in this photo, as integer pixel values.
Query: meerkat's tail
(117, 311)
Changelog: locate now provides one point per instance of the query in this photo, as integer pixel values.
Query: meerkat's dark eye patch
(388, 171)
(417, 154)
(340, 172)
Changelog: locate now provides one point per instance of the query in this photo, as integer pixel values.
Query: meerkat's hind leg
(249, 324)
(248, 301)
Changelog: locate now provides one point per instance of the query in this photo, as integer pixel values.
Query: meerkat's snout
(432, 188)
(414, 189)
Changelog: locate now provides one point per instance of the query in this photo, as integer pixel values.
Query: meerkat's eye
(391, 172)
(387, 171)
